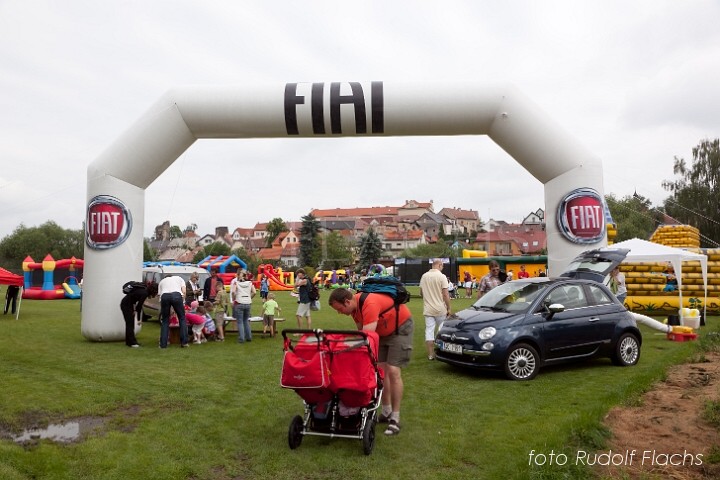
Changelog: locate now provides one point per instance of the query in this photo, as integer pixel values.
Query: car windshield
(511, 297)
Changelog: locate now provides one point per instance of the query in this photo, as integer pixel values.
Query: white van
(156, 272)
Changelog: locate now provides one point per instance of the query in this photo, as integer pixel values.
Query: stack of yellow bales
(677, 236)
(646, 281)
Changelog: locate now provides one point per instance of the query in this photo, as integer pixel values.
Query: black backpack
(131, 286)
(313, 292)
(386, 285)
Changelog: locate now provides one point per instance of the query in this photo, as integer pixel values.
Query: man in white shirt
(436, 302)
(171, 291)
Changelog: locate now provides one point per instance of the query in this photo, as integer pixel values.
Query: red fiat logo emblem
(108, 222)
(581, 217)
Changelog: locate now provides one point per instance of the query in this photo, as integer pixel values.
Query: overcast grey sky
(635, 82)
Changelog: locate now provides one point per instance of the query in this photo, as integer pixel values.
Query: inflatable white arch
(117, 179)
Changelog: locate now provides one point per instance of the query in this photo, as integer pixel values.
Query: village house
(526, 238)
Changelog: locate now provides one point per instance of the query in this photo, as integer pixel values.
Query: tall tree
(37, 242)
(309, 255)
(274, 228)
(634, 216)
(370, 247)
(175, 232)
(694, 195)
(337, 252)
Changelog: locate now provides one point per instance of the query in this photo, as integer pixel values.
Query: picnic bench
(230, 324)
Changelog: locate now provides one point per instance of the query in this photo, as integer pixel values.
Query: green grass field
(216, 411)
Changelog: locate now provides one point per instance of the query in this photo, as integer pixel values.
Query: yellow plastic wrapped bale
(681, 329)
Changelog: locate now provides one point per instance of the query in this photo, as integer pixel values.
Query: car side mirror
(552, 309)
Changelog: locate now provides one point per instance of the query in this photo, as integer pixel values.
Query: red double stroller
(336, 374)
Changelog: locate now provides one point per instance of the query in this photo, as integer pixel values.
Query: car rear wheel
(522, 362)
(627, 351)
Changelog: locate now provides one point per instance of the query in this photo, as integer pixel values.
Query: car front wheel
(627, 350)
(522, 362)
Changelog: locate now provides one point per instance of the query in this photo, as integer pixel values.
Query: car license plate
(451, 348)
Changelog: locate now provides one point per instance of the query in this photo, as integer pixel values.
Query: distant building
(461, 221)
(527, 238)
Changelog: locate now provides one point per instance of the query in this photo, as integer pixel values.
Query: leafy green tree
(694, 195)
(274, 228)
(37, 242)
(634, 216)
(370, 247)
(252, 261)
(149, 253)
(241, 253)
(428, 250)
(309, 251)
(215, 248)
(337, 252)
(175, 232)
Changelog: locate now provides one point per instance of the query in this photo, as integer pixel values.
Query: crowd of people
(199, 321)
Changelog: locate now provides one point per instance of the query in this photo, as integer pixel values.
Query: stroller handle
(319, 331)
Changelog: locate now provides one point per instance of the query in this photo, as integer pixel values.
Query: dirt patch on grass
(668, 431)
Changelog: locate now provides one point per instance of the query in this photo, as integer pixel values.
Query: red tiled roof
(244, 232)
(272, 253)
(460, 214)
(405, 235)
(354, 212)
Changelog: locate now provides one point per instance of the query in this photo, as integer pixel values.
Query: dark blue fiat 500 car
(523, 325)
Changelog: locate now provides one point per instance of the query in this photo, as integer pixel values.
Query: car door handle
(593, 319)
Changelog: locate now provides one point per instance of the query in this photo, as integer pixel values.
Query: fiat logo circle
(108, 222)
(581, 216)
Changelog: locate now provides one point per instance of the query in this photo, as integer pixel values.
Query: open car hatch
(595, 264)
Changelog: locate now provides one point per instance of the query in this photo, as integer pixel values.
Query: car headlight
(487, 333)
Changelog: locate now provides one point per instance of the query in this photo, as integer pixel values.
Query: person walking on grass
(490, 280)
(467, 284)
(436, 302)
(303, 286)
(222, 302)
(269, 308)
(377, 313)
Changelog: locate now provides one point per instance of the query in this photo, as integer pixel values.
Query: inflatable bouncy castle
(277, 279)
(52, 279)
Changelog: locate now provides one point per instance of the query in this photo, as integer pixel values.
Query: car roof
(553, 280)
(175, 269)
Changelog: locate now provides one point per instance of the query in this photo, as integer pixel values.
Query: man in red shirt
(378, 314)
(522, 273)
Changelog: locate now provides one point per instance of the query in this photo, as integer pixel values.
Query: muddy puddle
(65, 432)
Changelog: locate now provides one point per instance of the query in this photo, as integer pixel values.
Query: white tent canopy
(644, 251)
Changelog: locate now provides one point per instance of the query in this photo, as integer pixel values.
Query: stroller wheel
(368, 437)
(295, 435)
